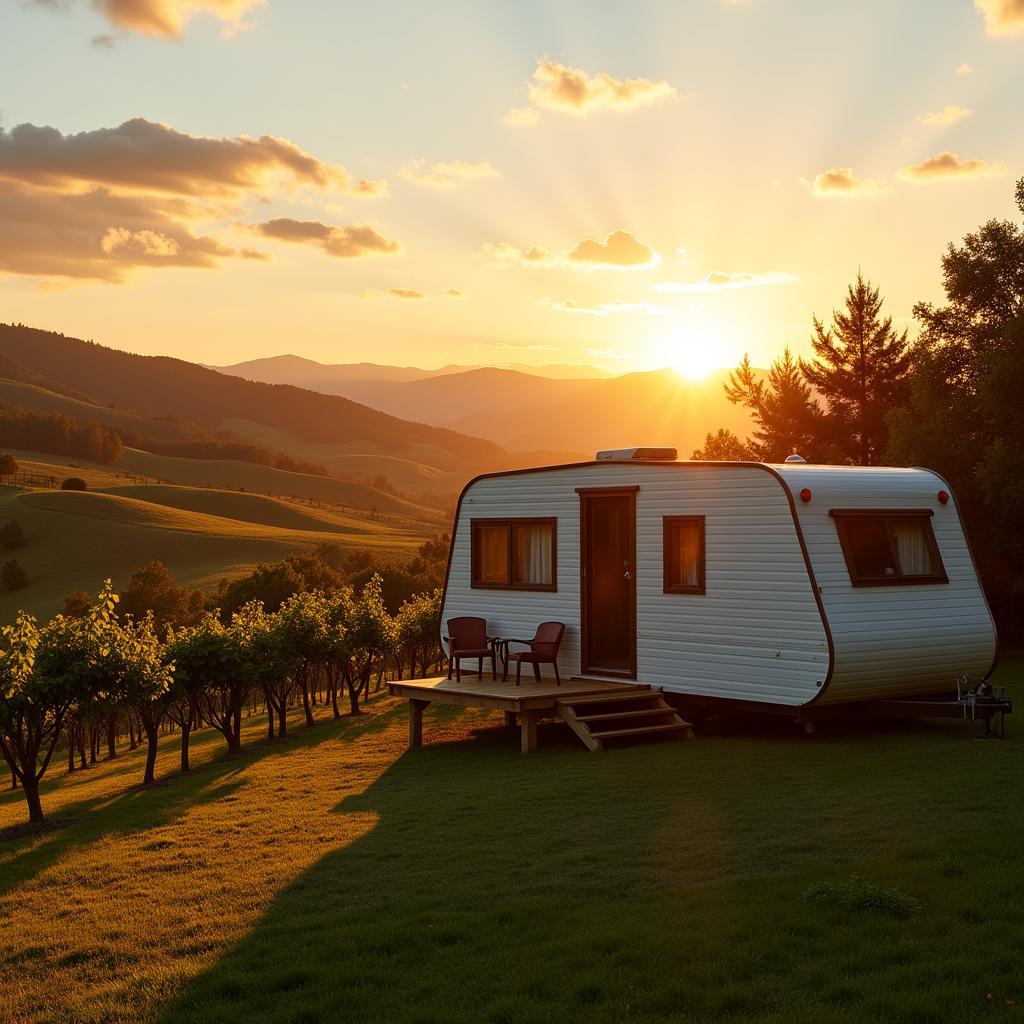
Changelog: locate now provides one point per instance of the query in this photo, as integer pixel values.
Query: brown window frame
(842, 516)
(509, 524)
(668, 524)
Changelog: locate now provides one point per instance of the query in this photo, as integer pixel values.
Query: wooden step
(639, 730)
(640, 713)
(618, 697)
(631, 721)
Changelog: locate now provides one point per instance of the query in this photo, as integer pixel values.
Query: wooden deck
(525, 703)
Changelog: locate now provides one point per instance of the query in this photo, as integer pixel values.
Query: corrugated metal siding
(902, 640)
(756, 634)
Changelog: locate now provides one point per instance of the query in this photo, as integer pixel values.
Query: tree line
(101, 670)
(947, 400)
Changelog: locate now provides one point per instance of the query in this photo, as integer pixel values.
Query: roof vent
(795, 458)
(638, 455)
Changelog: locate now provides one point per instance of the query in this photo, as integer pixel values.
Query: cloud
(949, 114)
(142, 155)
(104, 42)
(96, 235)
(1002, 17)
(165, 18)
(456, 293)
(963, 69)
(522, 116)
(572, 91)
(840, 181)
(505, 254)
(405, 293)
(351, 242)
(949, 165)
(619, 249)
(720, 281)
(605, 308)
(447, 175)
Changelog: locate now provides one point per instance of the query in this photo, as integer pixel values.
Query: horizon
(626, 200)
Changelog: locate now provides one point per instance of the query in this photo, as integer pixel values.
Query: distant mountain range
(326, 377)
(530, 411)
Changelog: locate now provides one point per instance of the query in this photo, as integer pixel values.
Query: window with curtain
(517, 554)
(683, 551)
(889, 546)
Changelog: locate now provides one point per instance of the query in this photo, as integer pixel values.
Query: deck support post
(416, 721)
(528, 731)
(510, 718)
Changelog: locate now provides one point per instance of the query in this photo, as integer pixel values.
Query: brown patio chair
(543, 651)
(467, 638)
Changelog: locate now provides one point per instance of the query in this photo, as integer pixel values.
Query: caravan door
(608, 581)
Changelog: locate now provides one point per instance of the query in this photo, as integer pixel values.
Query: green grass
(76, 539)
(337, 876)
(226, 473)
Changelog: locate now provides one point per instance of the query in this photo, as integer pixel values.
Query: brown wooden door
(608, 581)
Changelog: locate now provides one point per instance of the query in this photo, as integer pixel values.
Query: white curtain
(912, 548)
(689, 554)
(533, 554)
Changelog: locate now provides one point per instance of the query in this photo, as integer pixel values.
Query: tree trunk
(282, 718)
(334, 699)
(353, 697)
(111, 736)
(235, 743)
(71, 753)
(270, 719)
(310, 720)
(30, 784)
(186, 729)
(14, 779)
(80, 738)
(152, 737)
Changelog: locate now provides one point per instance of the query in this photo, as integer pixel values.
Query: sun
(695, 361)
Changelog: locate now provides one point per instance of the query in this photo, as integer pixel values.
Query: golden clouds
(97, 204)
(721, 281)
(142, 155)
(1002, 17)
(949, 114)
(619, 251)
(349, 242)
(949, 165)
(97, 235)
(447, 175)
(567, 90)
(456, 293)
(605, 308)
(167, 18)
(841, 181)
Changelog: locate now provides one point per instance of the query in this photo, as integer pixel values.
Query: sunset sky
(628, 185)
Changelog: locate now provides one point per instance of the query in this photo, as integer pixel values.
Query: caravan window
(683, 551)
(518, 554)
(885, 547)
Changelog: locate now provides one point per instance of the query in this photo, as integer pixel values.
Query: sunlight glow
(693, 355)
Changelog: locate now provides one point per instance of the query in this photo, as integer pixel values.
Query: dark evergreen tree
(787, 419)
(13, 575)
(860, 369)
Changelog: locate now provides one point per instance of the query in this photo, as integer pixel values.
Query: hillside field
(75, 539)
(337, 876)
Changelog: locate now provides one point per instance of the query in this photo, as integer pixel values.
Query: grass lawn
(336, 876)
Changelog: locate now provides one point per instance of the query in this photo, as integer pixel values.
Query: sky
(625, 185)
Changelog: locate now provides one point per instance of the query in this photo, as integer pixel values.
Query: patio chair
(543, 650)
(467, 638)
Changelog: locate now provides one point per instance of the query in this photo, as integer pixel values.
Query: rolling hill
(160, 386)
(74, 540)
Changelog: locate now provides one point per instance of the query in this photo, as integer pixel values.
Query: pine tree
(860, 368)
(786, 417)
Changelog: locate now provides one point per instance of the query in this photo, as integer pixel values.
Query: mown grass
(337, 876)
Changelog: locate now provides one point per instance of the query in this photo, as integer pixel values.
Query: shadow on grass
(138, 808)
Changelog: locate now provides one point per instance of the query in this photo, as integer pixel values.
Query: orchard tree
(723, 446)
(370, 635)
(152, 590)
(417, 632)
(32, 709)
(206, 658)
(129, 654)
(860, 368)
(267, 660)
(305, 618)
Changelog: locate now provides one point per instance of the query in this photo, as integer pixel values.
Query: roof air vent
(795, 458)
(638, 455)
